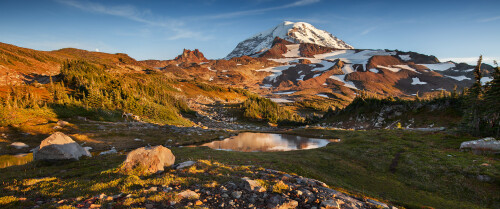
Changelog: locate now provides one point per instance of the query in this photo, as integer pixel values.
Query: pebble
(236, 194)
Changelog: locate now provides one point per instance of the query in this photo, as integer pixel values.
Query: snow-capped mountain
(299, 32)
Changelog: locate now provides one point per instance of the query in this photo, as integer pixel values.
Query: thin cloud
(308, 20)
(134, 14)
(259, 11)
(368, 30)
(489, 19)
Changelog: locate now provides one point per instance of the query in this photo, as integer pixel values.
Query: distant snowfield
(440, 66)
(458, 78)
(389, 68)
(416, 81)
(406, 67)
(326, 65)
(284, 92)
(323, 95)
(275, 70)
(485, 80)
(341, 78)
(280, 100)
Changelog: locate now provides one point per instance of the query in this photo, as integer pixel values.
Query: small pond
(267, 142)
(18, 159)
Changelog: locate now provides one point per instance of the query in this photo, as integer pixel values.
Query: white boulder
(488, 144)
(59, 146)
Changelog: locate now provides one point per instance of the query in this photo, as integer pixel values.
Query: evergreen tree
(471, 119)
(492, 103)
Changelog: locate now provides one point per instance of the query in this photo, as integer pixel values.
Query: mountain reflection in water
(266, 142)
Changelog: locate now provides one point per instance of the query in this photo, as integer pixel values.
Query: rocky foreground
(225, 187)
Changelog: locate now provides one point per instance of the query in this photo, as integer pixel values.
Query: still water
(267, 142)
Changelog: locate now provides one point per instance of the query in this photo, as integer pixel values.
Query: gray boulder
(149, 159)
(59, 146)
(488, 144)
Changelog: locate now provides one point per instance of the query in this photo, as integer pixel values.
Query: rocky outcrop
(309, 50)
(377, 60)
(189, 56)
(148, 160)
(59, 146)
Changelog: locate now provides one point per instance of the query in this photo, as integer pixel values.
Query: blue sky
(147, 29)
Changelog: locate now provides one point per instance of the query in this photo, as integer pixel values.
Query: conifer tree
(492, 102)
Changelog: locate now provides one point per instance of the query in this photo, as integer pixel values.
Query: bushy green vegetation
(150, 97)
(256, 107)
(92, 90)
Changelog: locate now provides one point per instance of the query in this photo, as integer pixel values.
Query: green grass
(430, 172)
(425, 175)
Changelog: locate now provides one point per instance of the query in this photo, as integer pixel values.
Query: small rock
(149, 206)
(377, 203)
(19, 145)
(329, 204)
(252, 186)
(101, 196)
(188, 194)
(236, 194)
(111, 151)
(198, 202)
(224, 195)
(152, 189)
(62, 123)
(185, 165)
(483, 178)
(95, 206)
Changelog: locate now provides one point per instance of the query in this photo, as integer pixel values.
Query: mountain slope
(299, 32)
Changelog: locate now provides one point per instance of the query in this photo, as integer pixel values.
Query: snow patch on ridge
(416, 81)
(293, 51)
(458, 78)
(440, 66)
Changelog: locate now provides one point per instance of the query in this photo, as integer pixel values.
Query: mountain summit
(299, 32)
